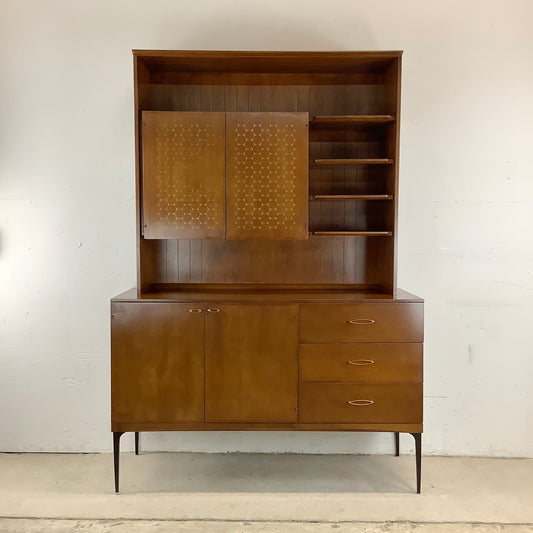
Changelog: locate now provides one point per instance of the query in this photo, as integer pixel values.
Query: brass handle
(361, 321)
(360, 403)
(360, 362)
(195, 310)
(213, 310)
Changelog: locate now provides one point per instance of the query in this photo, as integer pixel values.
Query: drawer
(391, 403)
(361, 363)
(362, 322)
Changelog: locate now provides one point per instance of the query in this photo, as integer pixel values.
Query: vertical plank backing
(327, 259)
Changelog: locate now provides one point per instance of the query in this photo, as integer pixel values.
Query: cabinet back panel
(318, 84)
(317, 260)
(316, 99)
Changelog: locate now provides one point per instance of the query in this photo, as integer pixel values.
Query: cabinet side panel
(157, 362)
(141, 101)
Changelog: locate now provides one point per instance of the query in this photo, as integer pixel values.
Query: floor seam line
(282, 521)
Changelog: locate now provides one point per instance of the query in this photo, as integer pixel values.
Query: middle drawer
(361, 363)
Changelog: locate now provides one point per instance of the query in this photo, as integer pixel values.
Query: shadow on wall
(263, 29)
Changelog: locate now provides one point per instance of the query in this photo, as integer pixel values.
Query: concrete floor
(227, 493)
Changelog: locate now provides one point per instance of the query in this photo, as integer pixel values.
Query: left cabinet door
(157, 362)
(183, 175)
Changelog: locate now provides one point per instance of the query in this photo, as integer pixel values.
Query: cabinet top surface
(268, 295)
(269, 53)
(157, 61)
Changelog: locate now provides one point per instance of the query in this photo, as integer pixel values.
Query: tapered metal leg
(136, 443)
(116, 454)
(397, 443)
(418, 451)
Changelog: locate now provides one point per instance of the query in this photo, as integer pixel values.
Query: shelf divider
(354, 233)
(348, 120)
(351, 197)
(372, 161)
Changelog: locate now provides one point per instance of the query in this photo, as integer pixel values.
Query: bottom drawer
(355, 403)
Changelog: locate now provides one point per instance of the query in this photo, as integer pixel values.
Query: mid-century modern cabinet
(267, 194)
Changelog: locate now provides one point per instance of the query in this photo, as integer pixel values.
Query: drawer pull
(360, 403)
(360, 362)
(213, 310)
(361, 321)
(195, 310)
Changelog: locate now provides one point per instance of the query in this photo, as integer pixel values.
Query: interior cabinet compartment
(353, 107)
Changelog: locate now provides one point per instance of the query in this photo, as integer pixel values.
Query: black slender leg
(397, 443)
(418, 450)
(116, 454)
(136, 443)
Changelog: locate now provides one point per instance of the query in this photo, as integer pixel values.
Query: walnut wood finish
(251, 357)
(303, 250)
(360, 86)
(390, 403)
(266, 172)
(361, 363)
(241, 293)
(265, 426)
(157, 362)
(319, 260)
(183, 175)
(367, 322)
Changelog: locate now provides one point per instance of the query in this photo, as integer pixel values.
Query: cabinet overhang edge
(262, 426)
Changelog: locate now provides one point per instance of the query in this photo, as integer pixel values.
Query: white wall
(67, 207)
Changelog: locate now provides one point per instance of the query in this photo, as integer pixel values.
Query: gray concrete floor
(227, 493)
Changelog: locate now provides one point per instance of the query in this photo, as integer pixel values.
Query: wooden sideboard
(267, 193)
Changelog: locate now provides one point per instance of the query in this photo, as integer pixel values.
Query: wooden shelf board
(374, 161)
(351, 197)
(352, 119)
(355, 233)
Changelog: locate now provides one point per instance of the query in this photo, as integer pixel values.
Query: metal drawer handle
(360, 403)
(195, 310)
(213, 310)
(361, 321)
(360, 362)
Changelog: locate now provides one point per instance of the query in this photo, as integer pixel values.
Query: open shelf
(330, 197)
(351, 120)
(373, 161)
(354, 233)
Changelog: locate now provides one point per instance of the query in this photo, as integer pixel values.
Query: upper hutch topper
(267, 194)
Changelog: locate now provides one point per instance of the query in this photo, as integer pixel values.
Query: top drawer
(362, 322)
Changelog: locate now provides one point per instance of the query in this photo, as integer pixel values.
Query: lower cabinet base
(418, 454)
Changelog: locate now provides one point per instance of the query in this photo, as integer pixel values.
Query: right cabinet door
(251, 363)
(267, 175)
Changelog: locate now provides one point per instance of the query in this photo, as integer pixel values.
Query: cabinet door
(157, 362)
(267, 175)
(251, 363)
(183, 173)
